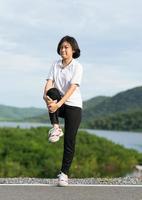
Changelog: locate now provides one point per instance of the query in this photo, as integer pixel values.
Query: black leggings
(72, 118)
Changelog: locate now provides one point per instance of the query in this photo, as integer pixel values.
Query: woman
(63, 98)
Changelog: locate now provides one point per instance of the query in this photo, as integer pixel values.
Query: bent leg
(54, 94)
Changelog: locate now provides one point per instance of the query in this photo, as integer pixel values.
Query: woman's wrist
(59, 104)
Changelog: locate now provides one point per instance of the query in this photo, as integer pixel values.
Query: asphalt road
(21, 192)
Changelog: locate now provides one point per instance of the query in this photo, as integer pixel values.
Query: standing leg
(72, 122)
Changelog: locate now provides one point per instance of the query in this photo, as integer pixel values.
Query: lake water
(125, 138)
(128, 139)
(22, 124)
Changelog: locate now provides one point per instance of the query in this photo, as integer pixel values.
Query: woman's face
(66, 51)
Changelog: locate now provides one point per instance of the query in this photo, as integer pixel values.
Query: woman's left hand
(53, 106)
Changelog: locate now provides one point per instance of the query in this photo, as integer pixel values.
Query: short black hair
(72, 42)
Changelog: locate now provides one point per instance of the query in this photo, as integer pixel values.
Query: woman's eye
(65, 47)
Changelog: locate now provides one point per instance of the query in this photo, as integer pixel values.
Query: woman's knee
(54, 94)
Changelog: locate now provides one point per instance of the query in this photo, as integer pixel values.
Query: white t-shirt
(63, 77)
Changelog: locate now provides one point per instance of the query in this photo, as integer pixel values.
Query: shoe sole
(63, 184)
(54, 139)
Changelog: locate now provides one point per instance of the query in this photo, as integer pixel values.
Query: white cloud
(108, 32)
(108, 80)
(22, 80)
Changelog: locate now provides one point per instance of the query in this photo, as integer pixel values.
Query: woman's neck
(66, 62)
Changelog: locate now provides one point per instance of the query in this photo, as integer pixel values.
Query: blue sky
(109, 34)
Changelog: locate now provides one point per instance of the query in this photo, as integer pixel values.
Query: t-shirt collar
(61, 64)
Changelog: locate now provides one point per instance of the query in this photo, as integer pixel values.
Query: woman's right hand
(48, 100)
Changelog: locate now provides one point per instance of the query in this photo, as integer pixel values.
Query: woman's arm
(53, 106)
(49, 85)
(68, 93)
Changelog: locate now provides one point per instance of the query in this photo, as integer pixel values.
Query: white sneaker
(55, 134)
(62, 179)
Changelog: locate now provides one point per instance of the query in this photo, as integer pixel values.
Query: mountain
(91, 103)
(122, 102)
(43, 118)
(129, 101)
(122, 111)
(101, 110)
(10, 113)
(128, 121)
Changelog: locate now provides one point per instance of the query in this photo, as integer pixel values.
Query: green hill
(123, 102)
(91, 103)
(96, 111)
(86, 105)
(119, 121)
(43, 118)
(9, 113)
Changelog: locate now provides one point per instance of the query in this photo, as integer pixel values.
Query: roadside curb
(122, 181)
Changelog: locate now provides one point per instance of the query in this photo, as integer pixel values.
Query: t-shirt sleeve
(77, 75)
(51, 73)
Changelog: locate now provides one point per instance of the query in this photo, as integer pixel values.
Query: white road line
(74, 185)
